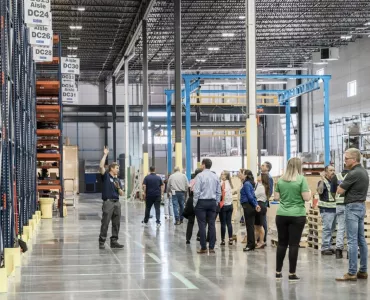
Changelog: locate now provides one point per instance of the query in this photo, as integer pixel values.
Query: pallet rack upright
(18, 126)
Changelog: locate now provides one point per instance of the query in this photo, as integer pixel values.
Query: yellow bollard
(16, 256)
(26, 232)
(25, 238)
(9, 261)
(3, 281)
(32, 225)
(38, 215)
(34, 218)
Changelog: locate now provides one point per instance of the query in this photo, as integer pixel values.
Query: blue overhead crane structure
(192, 84)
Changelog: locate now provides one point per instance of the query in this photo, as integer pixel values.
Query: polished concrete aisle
(65, 263)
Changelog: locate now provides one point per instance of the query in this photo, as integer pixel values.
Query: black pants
(206, 208)
(148, 206)
(226, 213)
(189, 228)
(289, 234)
(250, 215)
(111, 211)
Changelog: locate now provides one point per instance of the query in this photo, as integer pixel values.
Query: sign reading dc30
(70, 65)
(37, 12)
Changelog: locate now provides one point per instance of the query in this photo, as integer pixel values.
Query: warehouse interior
(167, 83)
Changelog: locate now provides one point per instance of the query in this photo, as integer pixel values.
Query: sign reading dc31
(37, 12)
(70, 65)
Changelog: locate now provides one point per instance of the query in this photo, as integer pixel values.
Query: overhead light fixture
(361, 28)
(320, 63)
(74, 38)
(72, 55)
(72, 48)
(272, 82)
(75, 27)
(367, 24)
(242, 17)
(346, 37)
(213, 48)
(200, 60)
(226, 34)
(80, 8)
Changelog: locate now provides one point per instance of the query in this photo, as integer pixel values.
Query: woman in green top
(292, 190)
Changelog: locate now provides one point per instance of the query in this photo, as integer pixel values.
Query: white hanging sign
(69, 89)
(41, 35)
(70, 65)
(37, 12)
(43, 53)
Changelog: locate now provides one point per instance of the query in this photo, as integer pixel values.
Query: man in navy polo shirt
(112, 189)
(153, 191)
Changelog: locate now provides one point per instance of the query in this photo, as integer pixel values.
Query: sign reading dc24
(37, 12)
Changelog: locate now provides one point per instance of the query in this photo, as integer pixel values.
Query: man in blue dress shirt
(207, 195)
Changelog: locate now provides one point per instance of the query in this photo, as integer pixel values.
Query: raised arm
(102, 162)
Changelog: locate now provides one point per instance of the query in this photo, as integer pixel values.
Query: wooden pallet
(314, 212)
(314, 219)
(302, 244)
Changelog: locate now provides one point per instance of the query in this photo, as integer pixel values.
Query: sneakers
(202, 251)
(326, 252)
(361, 275)
(116, 245)
(293, 278)
(338, 254)
(178, 223)
(212, 251)
(158, 225)
(279, 276)
(347, 277)
(101, 246)
(187, 242)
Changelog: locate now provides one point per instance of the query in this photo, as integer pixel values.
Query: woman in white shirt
(262, 192)
(226, 206)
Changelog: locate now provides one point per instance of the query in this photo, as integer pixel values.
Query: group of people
(208, 196)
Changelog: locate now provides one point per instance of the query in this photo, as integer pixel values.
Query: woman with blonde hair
(292, 191)
(226, 206)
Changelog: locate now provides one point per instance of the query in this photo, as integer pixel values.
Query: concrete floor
(65, 263)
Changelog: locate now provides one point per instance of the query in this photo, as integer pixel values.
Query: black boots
(338, 254)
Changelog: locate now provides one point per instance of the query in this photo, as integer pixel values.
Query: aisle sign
(41, 35)
(42, 53)
(69, 89)
(70, 65)
(37, 12)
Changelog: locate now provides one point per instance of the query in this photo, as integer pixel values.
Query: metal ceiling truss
(287, 32)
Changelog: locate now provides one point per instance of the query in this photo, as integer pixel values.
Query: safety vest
(331, 202)
(340, 198)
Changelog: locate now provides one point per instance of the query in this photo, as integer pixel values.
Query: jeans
(111, 212)
(168, 206)
(206, 208)
(289, 234)
(178, 201)
(250, 215)
(341, 221)
(148, 206)
(355, 214)
(226, 213)
(328, 228)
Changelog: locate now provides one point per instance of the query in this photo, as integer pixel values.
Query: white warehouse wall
(354, 64)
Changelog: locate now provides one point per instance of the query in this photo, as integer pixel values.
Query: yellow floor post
(178, 155)
(9, 261)
(34, 218)
(26, 232)
(38, 214)
(32, 226)
(3, 281)
(145, 164)
(16, 256)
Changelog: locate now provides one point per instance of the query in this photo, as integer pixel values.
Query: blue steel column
(326, 122)
(188, 129)
(287, 128)
(169, 132)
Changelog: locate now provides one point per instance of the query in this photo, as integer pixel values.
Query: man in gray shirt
(355, 187)
(178, 186)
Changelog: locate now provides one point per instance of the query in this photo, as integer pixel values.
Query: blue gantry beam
(192, 83)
